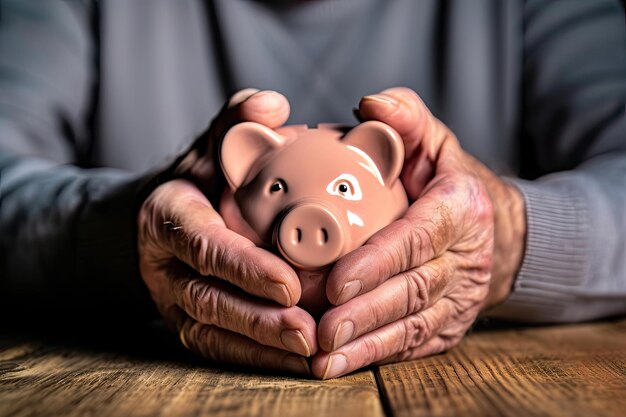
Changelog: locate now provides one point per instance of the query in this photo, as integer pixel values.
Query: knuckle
(198, 249)
(266, 328)
(227, 259)
(476, 295)
(455, 331)
(467, 318)
(475, 267)
(437, 269)
(194, 335)
(419, 240)
(440, 273)
(417, 330)
(415, 239)
(206, 340)
(247, 271)
(417, 285)
(253, 357)
(377, 315)
(219, 345)
(257, 328)
(154, 228)
(458, 308)
(436, 345)
(374, 350)
(203, 301)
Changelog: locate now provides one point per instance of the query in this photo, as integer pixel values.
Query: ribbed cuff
(555, 258)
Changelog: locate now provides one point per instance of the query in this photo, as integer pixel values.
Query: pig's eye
(346, 186)
(277, 186)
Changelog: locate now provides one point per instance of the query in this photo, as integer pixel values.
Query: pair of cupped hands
(412, 290)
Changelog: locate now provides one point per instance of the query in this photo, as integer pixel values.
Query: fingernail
(337, 365)
(294, 341)
(273, 96)
(350, 290)
(278, 292)
(242, 95)
(296, 365)
(387, 101)
(344, 334)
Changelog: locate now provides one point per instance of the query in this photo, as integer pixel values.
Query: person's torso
(167, 67)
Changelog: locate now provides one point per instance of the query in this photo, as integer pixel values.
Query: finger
(251, 105)
(400, 296)
(428, 228)
(195, 233)
(433, 346)
(223, 346)
(424, 136)
(212, 302)
(266, 107)
(402, 109)
(391, 340)
(448, 336)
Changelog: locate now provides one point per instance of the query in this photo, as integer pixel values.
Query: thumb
(423, 134)
(267, 107)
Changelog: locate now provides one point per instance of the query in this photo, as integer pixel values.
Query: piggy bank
(313, 195)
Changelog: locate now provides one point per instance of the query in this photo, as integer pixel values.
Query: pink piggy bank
(315, 194)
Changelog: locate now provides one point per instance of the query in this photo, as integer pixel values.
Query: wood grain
(577, 370)
(51, 379)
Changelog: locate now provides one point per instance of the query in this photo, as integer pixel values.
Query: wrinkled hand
(229, 300)
(417, 285)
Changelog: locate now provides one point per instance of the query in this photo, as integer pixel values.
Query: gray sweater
(97, 98)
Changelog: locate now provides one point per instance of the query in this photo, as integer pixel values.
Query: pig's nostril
(297, 236)
(323, 236)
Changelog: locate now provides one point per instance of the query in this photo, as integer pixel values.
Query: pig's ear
(242, 146)
(380, 143)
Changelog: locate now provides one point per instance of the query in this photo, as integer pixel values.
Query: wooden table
(575, 370)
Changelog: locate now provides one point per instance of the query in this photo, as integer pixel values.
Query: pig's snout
(310, 236)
